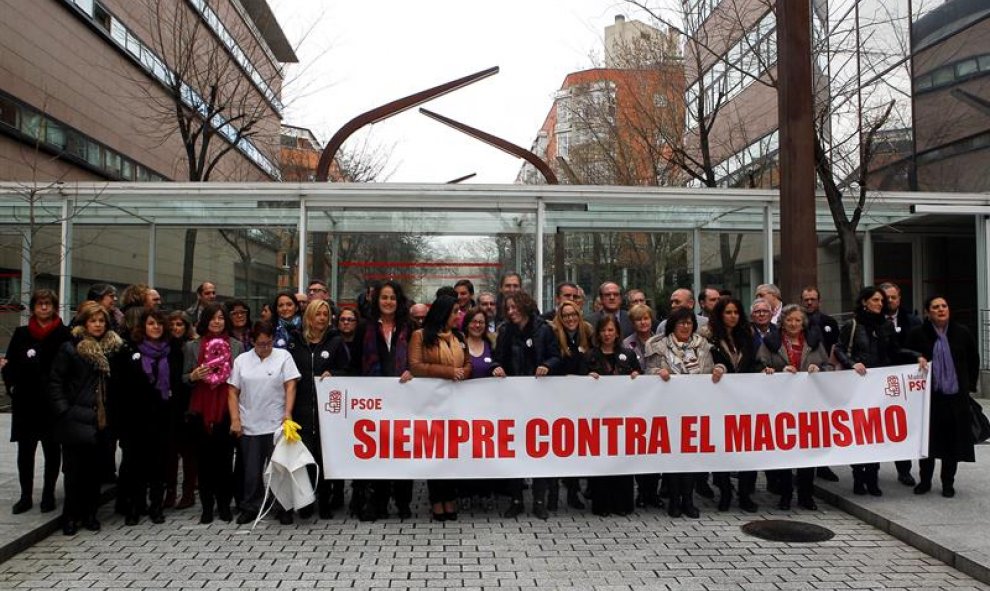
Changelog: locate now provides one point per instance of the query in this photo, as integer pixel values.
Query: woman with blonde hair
(575, 337)
(314, 350)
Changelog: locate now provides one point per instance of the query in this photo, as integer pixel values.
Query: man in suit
(903, 320)
(611, 296)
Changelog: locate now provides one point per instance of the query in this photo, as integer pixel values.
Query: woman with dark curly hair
(207, 365)
(385, 353)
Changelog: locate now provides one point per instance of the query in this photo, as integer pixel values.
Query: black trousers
(81, 466)
(143, 468)
(747, 482)
(215, 457)
(323, 487)
(805, 483)
(866, 473)
(442, 491)
(26, 451)
(514, 487)
(948, 472)
(681, 487)
(612, 494)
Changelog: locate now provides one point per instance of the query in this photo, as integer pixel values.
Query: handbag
(980, 425)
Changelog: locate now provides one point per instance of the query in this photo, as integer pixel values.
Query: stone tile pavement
(572, 550)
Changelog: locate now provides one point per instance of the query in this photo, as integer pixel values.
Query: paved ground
(569, 551)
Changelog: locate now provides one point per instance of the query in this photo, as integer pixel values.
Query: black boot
(724, 498)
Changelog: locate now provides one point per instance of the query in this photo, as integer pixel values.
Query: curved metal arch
(497, 142)
(387, 110)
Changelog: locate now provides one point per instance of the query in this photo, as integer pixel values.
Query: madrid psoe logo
(335, 402)
(893, 387)
(917, 382)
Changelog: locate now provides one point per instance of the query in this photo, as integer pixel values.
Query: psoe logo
(335, 402)
(893, 388)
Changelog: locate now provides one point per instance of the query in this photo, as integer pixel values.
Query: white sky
(363, 53)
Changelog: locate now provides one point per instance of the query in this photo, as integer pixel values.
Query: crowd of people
(206, 388)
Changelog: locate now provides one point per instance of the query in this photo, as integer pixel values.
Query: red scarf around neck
(39, 332)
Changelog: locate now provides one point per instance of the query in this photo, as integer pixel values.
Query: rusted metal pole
(795, 104)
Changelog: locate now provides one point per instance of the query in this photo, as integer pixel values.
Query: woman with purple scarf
(143, 423)
(954, 362)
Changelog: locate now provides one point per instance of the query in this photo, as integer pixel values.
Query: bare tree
(207, 100)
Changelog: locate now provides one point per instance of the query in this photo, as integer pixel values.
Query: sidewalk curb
(956, 560)
(39, 533)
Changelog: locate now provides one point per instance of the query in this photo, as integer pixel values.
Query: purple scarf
(154, 362)
(944, 377)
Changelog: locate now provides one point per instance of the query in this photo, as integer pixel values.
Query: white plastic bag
(286, 476)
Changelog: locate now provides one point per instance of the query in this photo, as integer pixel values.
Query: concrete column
(65, 259)
(696, 263)
(867, 258)
(768, 245)
(335, 267)
(152, 252)
(301, 231)
(541, 214)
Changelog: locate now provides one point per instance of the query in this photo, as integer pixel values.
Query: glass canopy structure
(86, 230)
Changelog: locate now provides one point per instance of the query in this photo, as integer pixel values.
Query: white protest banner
(577, 426)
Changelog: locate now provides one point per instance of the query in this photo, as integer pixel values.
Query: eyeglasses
(317, 290)
(761, 311)
(263, 344)
(568, 315)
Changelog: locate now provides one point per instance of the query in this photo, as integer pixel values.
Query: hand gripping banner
(577, 426)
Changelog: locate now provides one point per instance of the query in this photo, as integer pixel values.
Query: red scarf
(794, 350)
(39, 332)
(207, 400)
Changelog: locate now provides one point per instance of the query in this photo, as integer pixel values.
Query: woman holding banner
(385, 353)
(526, 347)
(574, 336)
(733, 351)
(869, 340)
(479, 343)
(611, 494)
(681, 350)
(314, 350)
(796, 348)
(955, 365)
(437, 351)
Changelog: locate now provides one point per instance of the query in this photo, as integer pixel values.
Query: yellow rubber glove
(290, 429)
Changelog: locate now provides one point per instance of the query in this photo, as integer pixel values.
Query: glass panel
(966, 68)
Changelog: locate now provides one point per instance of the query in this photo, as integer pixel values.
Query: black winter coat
(622, 362)
(748, 363)
(520, 352)
(137, 409)
(72, 391)
(312, 360)
(874, 343)
(828, 327)
(29, 365)
(575, 364)
(950, 436)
